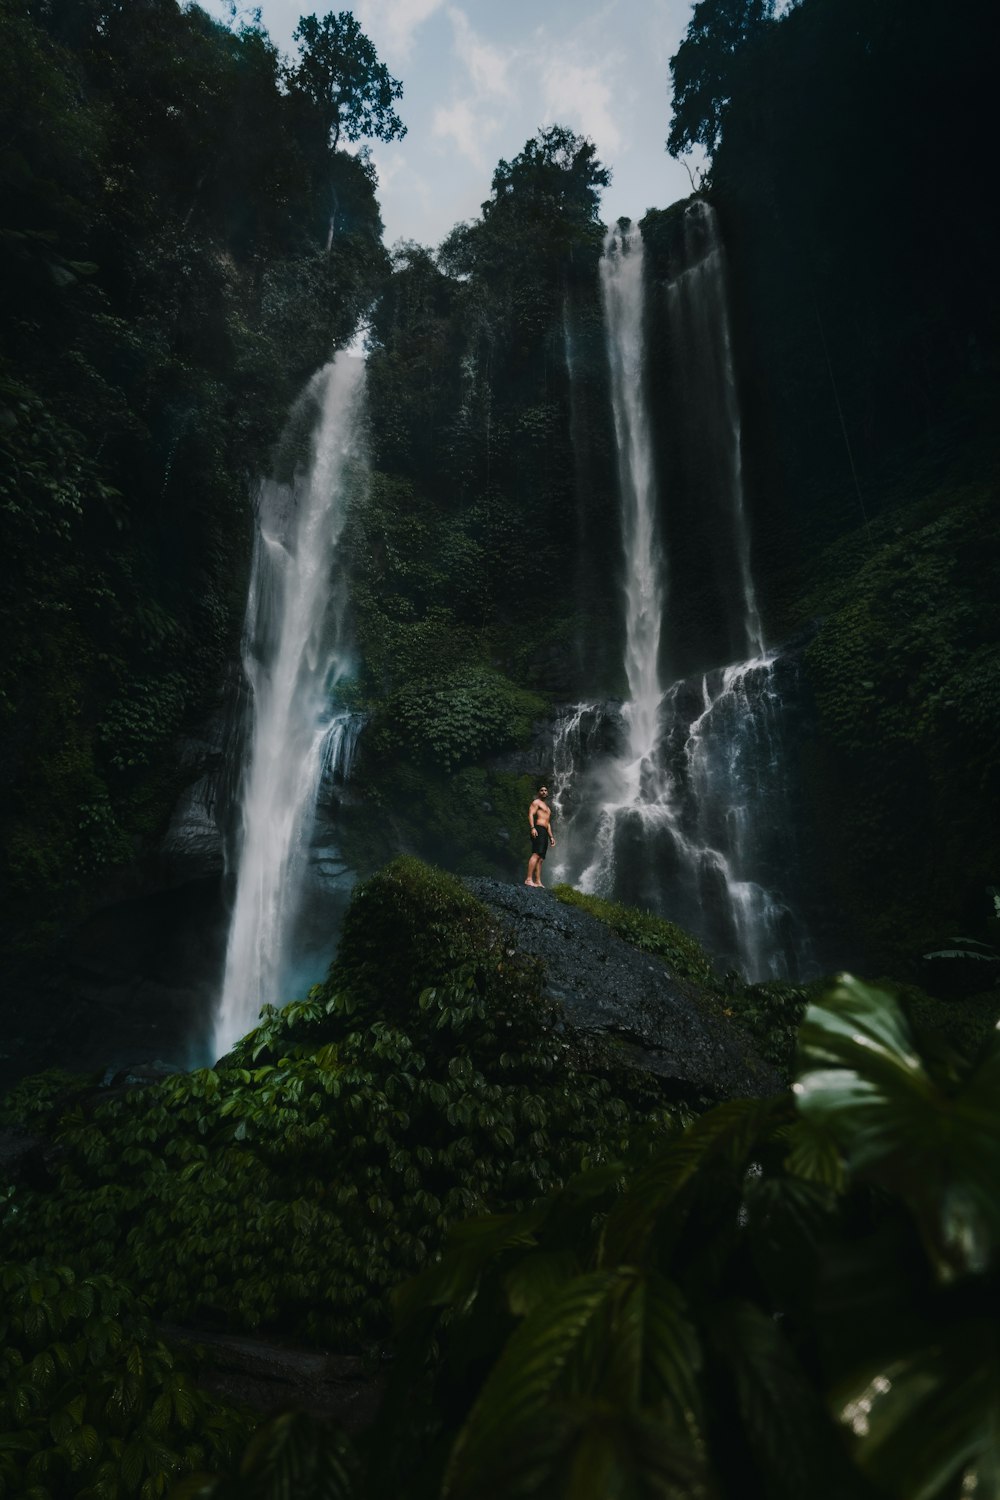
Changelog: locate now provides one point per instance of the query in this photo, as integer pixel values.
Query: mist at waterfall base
(679, 800)
(291, 886)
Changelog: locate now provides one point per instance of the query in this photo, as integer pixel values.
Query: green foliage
(904, 669)
(457, 716)
(92, 1404)
(741, 1315)
(772, 1012)
(290, 1456)
(915, 1131)
(292, 1186)
(461, 820)
(684, 955)
(704, 69)
(479, 444)
(963, 1025)
(166, 208)
(339, 73)
(37, 1103)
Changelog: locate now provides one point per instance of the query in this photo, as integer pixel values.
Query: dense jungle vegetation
(773, 1297)
(181, 247)
(573, 1283)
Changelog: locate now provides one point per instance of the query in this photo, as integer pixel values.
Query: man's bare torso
(540, 813)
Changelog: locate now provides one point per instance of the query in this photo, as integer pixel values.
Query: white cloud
(463, 123)
(582, 95)
(392, 24)
(486, 66)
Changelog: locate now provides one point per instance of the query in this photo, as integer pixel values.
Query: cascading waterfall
(622, 287)
(685, 809)
(629, 778)
(295, 651)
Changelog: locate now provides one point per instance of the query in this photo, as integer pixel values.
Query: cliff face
(867, 331)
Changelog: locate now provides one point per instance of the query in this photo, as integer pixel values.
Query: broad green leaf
(580, 1448)
(547, 1354)
(654, 1352)
(293, 1456)
(784, 1422)
(861, 1080)
(535, 1278)
(813, 1156)
(730, 1132)
(471, 1246)
(931, 1418)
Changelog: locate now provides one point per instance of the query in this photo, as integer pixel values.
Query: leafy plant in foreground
(797, 1296)
(92, 1404)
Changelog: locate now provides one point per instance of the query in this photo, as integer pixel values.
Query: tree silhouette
(339, 73)
(703, 68)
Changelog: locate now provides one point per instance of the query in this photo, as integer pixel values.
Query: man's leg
(532, 876)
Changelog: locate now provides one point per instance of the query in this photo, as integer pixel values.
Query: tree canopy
(704, 66)
(339, 72)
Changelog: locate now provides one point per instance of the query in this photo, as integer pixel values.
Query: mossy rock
(685, 955)
(409, 926)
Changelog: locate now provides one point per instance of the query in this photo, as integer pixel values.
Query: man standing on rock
(540, 823)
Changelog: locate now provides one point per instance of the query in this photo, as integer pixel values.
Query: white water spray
(622, 287)
(677, 801)
(295, 650)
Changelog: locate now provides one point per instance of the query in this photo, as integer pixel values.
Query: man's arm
(531, 816)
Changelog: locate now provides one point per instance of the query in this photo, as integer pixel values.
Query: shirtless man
(540, 823)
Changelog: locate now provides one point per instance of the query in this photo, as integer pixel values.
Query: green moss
(685, 955)
(456, 717)
(408, 926)
(467, 822)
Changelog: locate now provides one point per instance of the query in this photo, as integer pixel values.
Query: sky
(480, 78)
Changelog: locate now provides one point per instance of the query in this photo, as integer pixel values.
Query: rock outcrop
(650, 1018)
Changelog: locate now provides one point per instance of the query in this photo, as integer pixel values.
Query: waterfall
(678, 801)
(622, 287)
(295, 651)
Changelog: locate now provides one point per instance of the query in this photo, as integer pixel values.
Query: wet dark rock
(137, 1075)
(603, 732)
(192, 847)
(23, 1157)
(271, 1377)
(652, 1019)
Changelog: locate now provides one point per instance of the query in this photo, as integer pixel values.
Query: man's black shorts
(540, 842)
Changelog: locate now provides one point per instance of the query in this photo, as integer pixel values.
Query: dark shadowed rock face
(653, 1020)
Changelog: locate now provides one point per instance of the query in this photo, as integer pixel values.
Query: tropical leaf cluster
(796, 1296)
(291, 1187)
(92, 1403)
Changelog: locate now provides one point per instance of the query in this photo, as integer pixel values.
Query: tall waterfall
(622, 287)
(295, 650)
(678, 799)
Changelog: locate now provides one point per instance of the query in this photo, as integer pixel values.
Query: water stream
(296, 649)
(678, 800)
